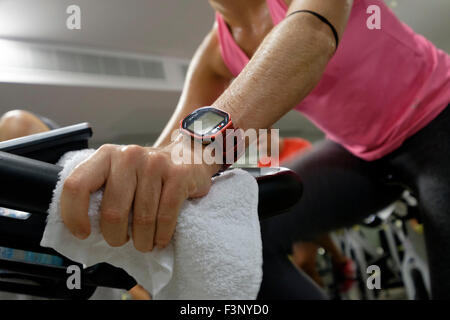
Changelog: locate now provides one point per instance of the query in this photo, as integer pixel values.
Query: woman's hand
(139, 178)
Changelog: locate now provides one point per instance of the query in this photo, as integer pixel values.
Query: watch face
(206, 121)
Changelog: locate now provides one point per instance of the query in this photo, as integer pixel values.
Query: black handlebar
(27, 185)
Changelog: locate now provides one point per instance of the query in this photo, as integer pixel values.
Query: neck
(237, 12)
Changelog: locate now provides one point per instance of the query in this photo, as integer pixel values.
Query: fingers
(134, 177)
(146, 203)
(172, 197)
(118, 195)
(87, 177)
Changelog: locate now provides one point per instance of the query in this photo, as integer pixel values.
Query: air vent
(153, 69)
(59, 60)
(35, 58)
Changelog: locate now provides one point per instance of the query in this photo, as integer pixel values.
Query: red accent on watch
(224, 129)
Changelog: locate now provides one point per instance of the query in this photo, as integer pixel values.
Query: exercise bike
(400, 263)
(28, 175)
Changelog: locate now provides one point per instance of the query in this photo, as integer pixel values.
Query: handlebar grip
(26, 184)
(278, 193)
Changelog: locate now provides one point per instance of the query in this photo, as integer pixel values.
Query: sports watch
(206, 125)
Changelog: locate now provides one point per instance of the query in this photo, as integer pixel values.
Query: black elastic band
(323, 19)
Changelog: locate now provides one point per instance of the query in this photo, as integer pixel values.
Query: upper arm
(335, 11)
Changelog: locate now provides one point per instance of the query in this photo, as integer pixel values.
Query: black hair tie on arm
(323, 19)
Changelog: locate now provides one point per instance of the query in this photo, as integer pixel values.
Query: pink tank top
(380, 88)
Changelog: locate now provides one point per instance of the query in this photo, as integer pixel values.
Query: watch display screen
(205, 123)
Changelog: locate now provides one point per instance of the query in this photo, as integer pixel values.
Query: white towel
(216, 252)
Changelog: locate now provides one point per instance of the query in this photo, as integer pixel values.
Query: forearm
(285, 68)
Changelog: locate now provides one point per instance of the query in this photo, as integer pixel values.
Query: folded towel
(216, 251)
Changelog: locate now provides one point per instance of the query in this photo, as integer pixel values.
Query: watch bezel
(211, 134)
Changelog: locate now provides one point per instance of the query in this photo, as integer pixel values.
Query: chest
(249, 39)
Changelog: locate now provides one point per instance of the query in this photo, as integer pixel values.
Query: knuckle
(157, 158)
(107, 148)
(165, 219)
(132, 152)
(133, 149)
(144, 220)
(155, 163)
(113, 216)
(72, 185)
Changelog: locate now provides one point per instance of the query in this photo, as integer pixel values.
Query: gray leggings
(341, 190)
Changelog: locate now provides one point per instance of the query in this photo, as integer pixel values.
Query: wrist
(195, 153)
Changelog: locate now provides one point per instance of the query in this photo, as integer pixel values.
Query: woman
(380, 95)
(382, 101)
